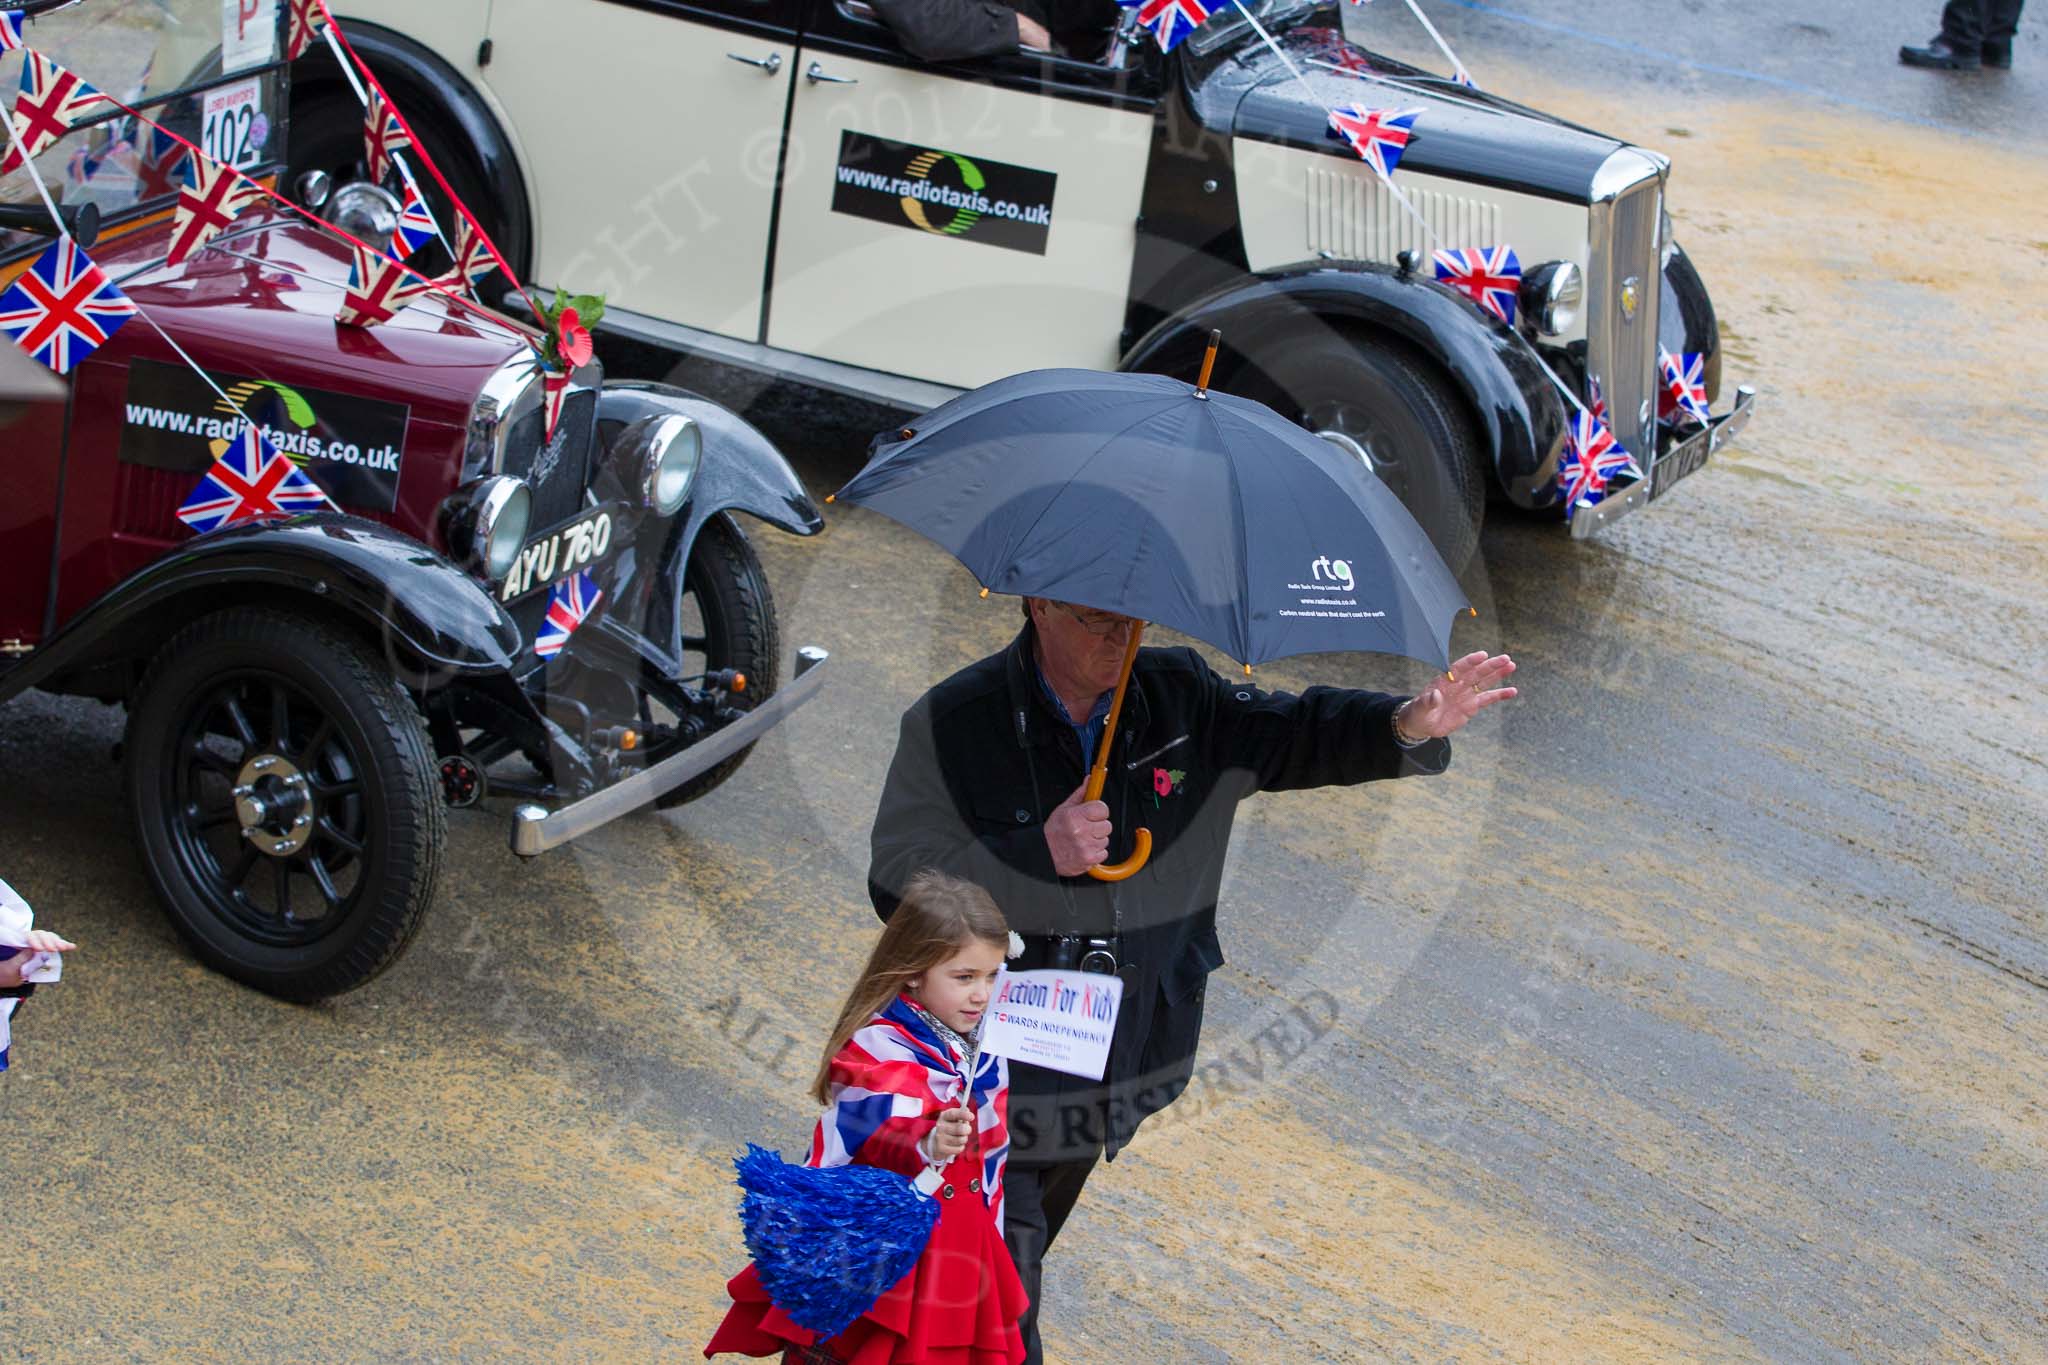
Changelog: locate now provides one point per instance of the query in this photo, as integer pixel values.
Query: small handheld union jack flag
(383, 135)
(415, 224)
(378, 287)
(206, 206)
(305, 24)
(1379, 136)
(51, 100)
(1172, 20)
(1488, 275)
(252, 478)
(569, 602)
(1684, 383)
(10, 31)
(1593, 459)
(63, 308)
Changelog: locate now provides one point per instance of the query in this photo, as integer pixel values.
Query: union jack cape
(63, 307)
(50, 102)
(252, 478)
(887, 1084)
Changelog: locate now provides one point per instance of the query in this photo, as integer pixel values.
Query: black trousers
(1036, 1202)
(1968, 25)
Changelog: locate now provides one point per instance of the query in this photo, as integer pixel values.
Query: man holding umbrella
(991, 779)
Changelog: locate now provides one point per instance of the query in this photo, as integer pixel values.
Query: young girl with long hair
(909, 1089)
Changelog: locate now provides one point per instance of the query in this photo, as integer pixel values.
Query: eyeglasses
(1101, 624)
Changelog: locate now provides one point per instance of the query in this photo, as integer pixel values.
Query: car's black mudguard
(1521, 418)
(1685, 319)
(434, 622)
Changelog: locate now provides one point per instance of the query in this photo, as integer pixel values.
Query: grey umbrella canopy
(1136, 493)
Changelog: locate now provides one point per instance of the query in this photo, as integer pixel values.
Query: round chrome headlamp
(484, 523)
(659, 456)
(1551, 295)
(369, 211)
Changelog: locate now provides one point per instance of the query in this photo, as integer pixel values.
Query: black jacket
(982, 760)
(949, 30)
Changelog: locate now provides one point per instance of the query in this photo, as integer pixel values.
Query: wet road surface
(1696, 1013)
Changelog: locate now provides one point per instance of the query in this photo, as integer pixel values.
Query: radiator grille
(1621, 345)
(557, 474)
(1352, 215)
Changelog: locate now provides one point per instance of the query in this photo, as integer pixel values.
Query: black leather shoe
(1940, 56)
(1999, 55)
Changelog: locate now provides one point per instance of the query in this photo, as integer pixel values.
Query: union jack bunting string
(1488, 275)
(51, 100)
(378, 287)
(415, 225)
(383, 134)
(1684, 383)
(63, 307)
(554, 393)
(304, 25)
(205, 207)
(1379, 136)
(1593, 459)
(472, 258)
(569, 602)
(10, 32)
(251, 479)
(1169, 21)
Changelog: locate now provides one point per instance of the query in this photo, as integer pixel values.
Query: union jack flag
(1592, 460)
(554, 393)
(51, 100)
(10, 31)
(378, 287)
(569, 602)
(1685, 383)
(1172, 20)
(251, 479)
(383, 135)
(887, 1086)
(415, 224)
(306, 21)
(1488, 275)
(472, 258)
(63, 308)
(206, 206)
(1464, 78)
(1379, 136)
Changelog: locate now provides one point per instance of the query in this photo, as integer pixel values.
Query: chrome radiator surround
(1624, 286)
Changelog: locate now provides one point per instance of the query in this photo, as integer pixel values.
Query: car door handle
(770, 64)
(816, 73)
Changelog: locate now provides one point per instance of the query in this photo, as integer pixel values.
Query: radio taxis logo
(971, 178)
(292, 403)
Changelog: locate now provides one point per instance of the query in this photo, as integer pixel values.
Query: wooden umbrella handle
(1141, 847)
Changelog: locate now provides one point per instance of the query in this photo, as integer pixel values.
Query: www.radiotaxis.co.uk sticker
(943, 193)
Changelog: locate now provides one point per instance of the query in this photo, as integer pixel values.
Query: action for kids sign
(1061, 1020)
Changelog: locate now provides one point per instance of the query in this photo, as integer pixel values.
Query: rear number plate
(1680, 462)
(573, 546)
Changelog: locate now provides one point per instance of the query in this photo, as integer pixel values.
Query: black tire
(1396, 407)
(728, 622)
(352, 759)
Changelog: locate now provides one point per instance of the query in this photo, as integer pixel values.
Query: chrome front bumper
(535, 829)
(1681, 460)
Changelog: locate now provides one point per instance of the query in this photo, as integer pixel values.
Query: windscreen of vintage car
(205, 70)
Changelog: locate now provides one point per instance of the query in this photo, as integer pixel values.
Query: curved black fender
(740, 470)
(1521, 418)
(1685, 318)
(434, 623)
(424, 85)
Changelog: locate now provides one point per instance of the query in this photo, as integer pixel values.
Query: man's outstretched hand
(1475, 683)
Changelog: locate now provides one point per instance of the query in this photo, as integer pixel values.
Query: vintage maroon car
(307, 695)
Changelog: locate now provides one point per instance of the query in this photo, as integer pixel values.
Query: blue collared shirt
(1089, 732)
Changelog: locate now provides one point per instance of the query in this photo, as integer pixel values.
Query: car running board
(535, 829)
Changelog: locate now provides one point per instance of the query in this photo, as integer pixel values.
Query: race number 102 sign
(1056, 1019)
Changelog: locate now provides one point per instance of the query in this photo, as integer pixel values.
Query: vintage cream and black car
(776, 183)
(307, 694)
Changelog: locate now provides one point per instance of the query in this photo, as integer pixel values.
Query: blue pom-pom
(828, 1243)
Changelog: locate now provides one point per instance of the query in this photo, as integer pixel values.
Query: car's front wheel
(284, 801)
(1393, 411)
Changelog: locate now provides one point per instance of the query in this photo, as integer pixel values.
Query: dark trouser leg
(1036, 1202)
(1963, 24)
(2001, 20)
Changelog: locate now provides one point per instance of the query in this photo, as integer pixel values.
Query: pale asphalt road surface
(1697, 1013)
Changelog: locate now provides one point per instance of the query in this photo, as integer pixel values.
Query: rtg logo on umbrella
(944, 193)
(1323, 567)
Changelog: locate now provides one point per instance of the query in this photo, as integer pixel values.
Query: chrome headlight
(657, 456)
(484, 523)
(1551, 295)
(369, 211)
(511, 391)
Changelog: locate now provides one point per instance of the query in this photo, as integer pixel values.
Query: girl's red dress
(960, 1303)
